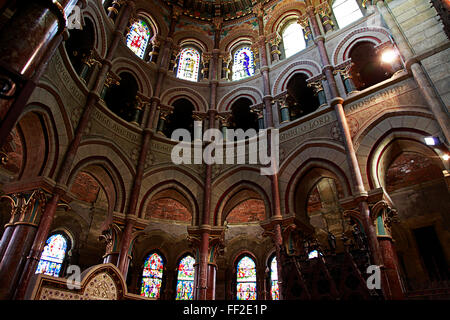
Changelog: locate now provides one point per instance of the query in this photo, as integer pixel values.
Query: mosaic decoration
(152, 276)
(53, 255)
(138, 37)
(274, 289)
(243, 65)
(185, 284)
(189, 64)
(246, 279)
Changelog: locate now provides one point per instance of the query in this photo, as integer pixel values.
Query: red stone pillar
(30, 206)
(9, 227)
(27, 43)
(336, 102)
(59, 190)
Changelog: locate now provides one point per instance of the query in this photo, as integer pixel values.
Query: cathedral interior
(349, 199)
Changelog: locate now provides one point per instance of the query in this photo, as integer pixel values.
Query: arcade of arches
(357, 93)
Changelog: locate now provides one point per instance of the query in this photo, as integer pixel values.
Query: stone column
(307, 33)
(15, 202)
(27, 43)
(226, 60)
(208, 248)
(205, 62)
(30, 205)
(155, 50)
(258, 110)
(164, 112)
(346, 75)
(383, 216)
(111, 237)
(224, 119)
(319, 92)
(89, 61)
(111, 80)
(114, 9)
(274, 47)
(324, 11)
(284, 109)
(61, 179)
(141, 103)
(360, 193)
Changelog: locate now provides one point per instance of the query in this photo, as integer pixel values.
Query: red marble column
(391, 268)
(25, 42)
(336, 102)
(50, 209)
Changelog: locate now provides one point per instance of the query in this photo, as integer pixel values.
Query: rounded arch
(38, 133)
(185, 38)
(282, 13)
(391, 146)
(308, 67)
(170, 190)
(254, 94)
(385, 127)
(113, 173)
(305, 184)
(242, 34)
(375, 35)
(172, 94)
(121, 65)
(236, 194)
(185, 182)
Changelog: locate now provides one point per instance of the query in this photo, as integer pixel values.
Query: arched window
(152, 276)
(189, 64)
(53, 255)
(274, 289)
(346, 11)
(185, 283)
(138, 37)
(293, 39)
(313, 254)
(246, 279)
(243, 65)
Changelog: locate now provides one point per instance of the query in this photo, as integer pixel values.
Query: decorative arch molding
(170, 185)
(374, 138)
(308, 67)
(150, 20)
(46, 123)
(234, 190)
(333, 170)
(193, 36)
(186, 181)
(253, 94)
(155, 18)
(282, 11)
(375, 35)
(173, 94)
(120, 65)
(110, 171)
(389, 146)
(100, 37)
(238, 35)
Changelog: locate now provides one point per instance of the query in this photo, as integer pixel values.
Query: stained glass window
(243, 65)
(138, 37)
(346, 11)
(293, 39)
(313, 254)
(274, 289)
(53, 255)
(189, 64)
(246, 279)
(185, 284)
(152, 276)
